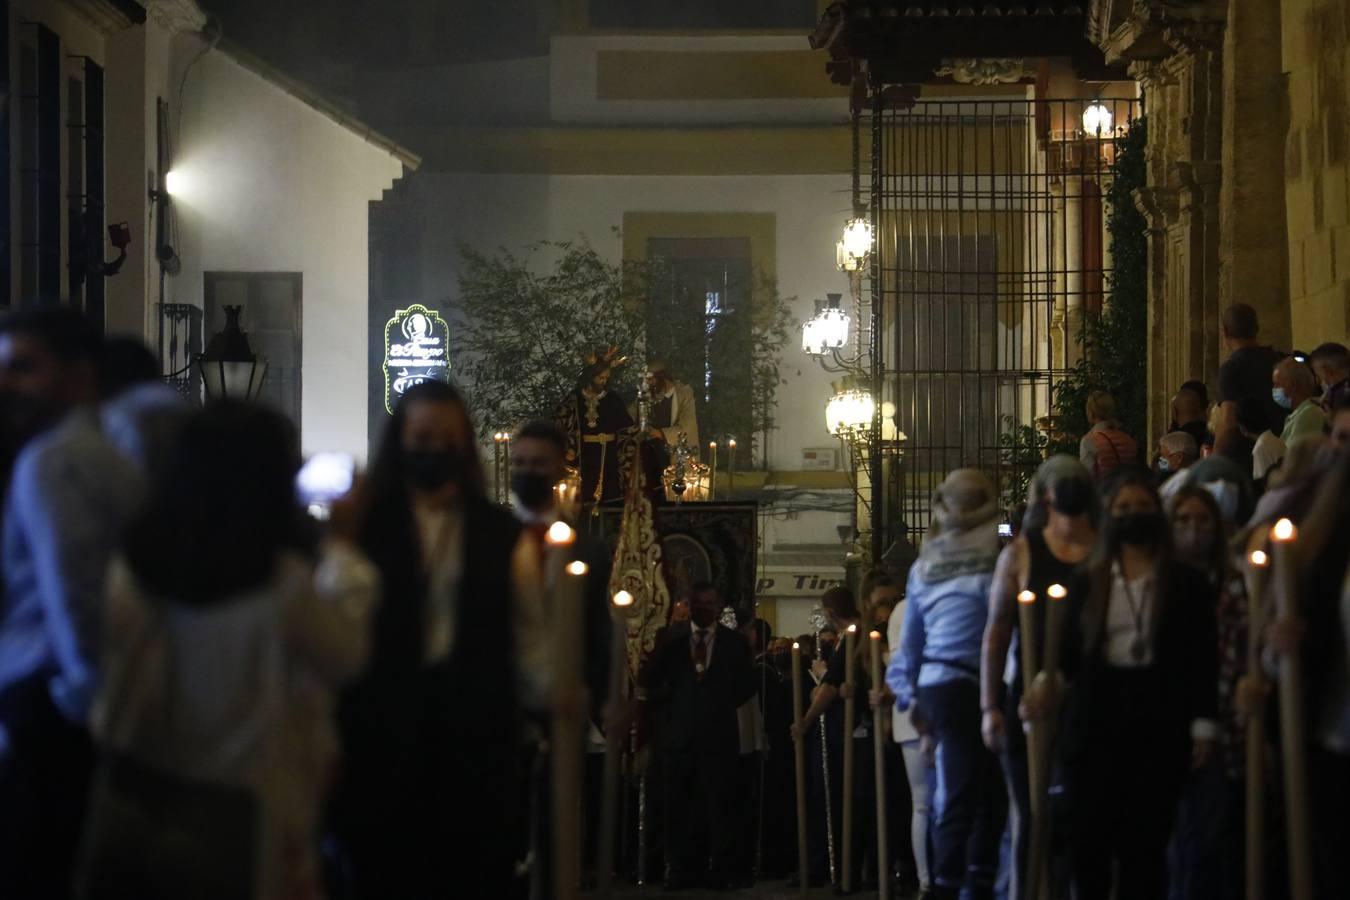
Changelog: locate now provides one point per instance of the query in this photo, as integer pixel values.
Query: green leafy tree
(525, 321)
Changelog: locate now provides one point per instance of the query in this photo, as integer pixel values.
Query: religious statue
(672, 412)
(595, 420)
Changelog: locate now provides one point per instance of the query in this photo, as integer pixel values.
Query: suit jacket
(1185, 653)
(698, 714)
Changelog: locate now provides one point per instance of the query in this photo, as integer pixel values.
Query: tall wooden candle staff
(568, 590)
(879, 760)
(1045, 739)
(1026, 610)
(1282, 538)
(1256, 574)
(799, 759)
(731, 468)
(610, 787)
(712, 462)
(850, 717)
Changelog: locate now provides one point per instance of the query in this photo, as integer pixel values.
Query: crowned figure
(595, 420)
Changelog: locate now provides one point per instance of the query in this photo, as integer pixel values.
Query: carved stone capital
(1151, 73)
(983, 70)
(176, 16)
(1159, 205)
(1193, 38)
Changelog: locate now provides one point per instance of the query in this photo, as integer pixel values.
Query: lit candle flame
(1057, 592)
(852, 629)
(560, 533)
(1283, 531)
(875, 635)
(1259, 558)
(712, 444)
(796, 646)
(623, 598)
(1026, 597)
(577, 567)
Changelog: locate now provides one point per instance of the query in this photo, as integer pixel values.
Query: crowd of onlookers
(206, 693)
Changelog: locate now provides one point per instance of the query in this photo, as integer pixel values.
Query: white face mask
(1227, 495)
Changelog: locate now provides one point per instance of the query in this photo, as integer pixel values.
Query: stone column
(1059, 343)
(1253, 241)
(1073, 268)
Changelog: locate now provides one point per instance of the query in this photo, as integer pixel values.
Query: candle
(1256, 574)
(731, 468)
(1054, 634)
(1026, 610)
(850, 714)
(609, 812)
(879, 761)
(712, 485)
(799, 755)
(565, 745)
(1283, 553)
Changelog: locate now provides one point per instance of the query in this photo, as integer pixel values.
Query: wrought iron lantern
(1097, 119)
(852, 249)
(230, 369)
(849, 413)
(827, 330)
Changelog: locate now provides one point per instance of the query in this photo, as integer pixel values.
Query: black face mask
(1137, 529)
(826, 650)
(702, 616)
(531, 488)
(1070, 496)
(431, 469)
(781, 661)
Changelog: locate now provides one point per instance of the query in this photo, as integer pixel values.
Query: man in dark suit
(698, 676)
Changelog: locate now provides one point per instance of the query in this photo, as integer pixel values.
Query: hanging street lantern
(1097, 119)
(825, 331)
(229, 368)
(849, 413)
(852, 250)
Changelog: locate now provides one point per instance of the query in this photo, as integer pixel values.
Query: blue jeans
(970, 803)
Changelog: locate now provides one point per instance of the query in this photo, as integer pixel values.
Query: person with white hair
(1177, 452)
(1296, 390)
(936, 673)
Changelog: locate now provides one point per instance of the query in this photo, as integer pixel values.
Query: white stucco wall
(512, 211)
(272, 185)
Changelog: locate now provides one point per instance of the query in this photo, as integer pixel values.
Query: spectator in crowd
(71, 495)
(1106, 446)
(1207, 845)
(1057, 535)
(1177, 452)
(1200, 390)
(1267, 448)
(1340, 425)
(1246, 373)
(222, 646)
(1331, 364)
(140, 414)
(1230, 487)
(695, 681)
(1141, 657)
(1295, 391)
(439, 698)
(1188, 415)
(937, 672)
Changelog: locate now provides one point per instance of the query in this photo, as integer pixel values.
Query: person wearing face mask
(1331, 364)
(1177, 452)
(1208, 844)
(1057, 535)
(1295, 390)
(537, 451)
(426, 805)
(1141, 659)
(695, 681)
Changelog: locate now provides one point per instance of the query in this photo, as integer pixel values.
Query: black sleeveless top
(1044, 569)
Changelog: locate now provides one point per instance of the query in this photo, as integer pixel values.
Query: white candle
(567, 729)
(1282, 538)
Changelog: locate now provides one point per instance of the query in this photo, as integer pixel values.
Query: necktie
(701, 653)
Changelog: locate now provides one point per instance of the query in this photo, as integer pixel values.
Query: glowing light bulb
(1097, 119)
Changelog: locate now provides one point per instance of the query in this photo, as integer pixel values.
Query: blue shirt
(71, 496)
(946, 605)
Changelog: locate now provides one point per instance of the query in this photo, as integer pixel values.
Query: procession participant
(1057, 535)
(696, 679)
(594, 420)
(937, 671)
(1141, 659)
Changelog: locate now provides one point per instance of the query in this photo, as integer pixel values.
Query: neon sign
(416, 349)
